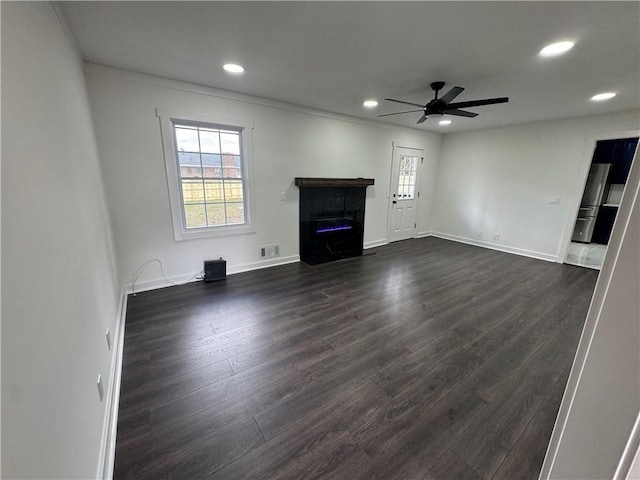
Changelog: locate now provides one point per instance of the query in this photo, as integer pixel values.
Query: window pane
(189, 165)
(215, 214)
(209, 141)
(187, 139)
(192, 191)
(195, 216)
(231, 166)
(233, 191)
(230, 142)
(213, 191)
(211, 165)
(235, 213)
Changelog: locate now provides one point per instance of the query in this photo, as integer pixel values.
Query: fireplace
(331, 218)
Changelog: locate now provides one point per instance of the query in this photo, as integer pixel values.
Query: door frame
(394, 147)
(581, 181)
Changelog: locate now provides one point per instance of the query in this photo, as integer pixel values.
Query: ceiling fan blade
(398, 113)
(451, 94)
(406, 103)
(477, 103)
(422, 118)
(460, 113)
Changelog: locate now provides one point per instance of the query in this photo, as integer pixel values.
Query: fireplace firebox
(331, 218)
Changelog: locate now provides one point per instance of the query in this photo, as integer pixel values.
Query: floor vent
(269, 251)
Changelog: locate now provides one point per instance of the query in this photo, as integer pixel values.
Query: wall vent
(270, 251)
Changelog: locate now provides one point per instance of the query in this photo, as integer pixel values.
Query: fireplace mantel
(333, 182)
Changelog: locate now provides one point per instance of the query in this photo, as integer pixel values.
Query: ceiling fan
(443, 105)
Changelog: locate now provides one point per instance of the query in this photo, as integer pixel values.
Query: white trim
(634, 469)
(137, 77)
(495, 246)
(167, 117)
(163, 282)
(62, 20)
(247, 267)
(428, 233)
(630, 454)
(110, 423)
(375, 243)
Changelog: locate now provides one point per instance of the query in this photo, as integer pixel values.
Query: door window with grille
(407, 177)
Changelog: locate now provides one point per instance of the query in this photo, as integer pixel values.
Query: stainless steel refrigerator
(591, 200)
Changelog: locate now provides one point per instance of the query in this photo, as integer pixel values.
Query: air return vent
(270, 251)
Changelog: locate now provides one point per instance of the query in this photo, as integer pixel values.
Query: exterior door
(404, 193)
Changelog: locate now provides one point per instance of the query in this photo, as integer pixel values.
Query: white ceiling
(333, 55)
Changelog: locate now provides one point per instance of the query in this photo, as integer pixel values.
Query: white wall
(602, 399)
(502, 180)
(289, 142)
(59, 288)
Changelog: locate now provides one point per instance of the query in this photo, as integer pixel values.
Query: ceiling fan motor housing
(437, 85)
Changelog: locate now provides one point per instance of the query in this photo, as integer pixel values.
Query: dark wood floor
(423, 359)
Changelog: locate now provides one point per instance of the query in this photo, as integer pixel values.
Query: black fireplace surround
(331, 218)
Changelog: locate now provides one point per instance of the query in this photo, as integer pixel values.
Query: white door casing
(404, 193)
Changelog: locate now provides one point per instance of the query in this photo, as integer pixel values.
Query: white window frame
(167, 120)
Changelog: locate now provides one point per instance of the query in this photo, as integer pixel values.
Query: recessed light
(556, 49)
(370, 103)
(601, 97)
(445, 122)
(233, 68)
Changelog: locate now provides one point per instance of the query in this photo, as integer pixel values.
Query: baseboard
(193, 277)
(110, 425)
(496, 246)
(375, 243)
(247, 267)
(157, 283)
(384, 241)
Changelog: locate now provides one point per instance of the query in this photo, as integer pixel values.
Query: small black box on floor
(215, 270)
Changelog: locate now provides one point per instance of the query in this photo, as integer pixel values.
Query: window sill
(202, 233)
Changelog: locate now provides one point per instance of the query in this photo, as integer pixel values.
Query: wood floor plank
(448, 466)
(321, 430)
(411, 440)
(422, 359)
(488, 439)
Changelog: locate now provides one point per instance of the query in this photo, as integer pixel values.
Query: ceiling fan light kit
(443, 105)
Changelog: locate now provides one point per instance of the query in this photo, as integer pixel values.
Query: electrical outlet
(480, 232)
(283, 196)
(496, 236)
(100, 387)
(220, 254)
(108, 335)
(554, 201)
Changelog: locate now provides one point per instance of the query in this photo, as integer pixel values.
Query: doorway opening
(606, 180)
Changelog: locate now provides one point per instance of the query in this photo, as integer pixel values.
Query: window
(407, 177)
(208, 170)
